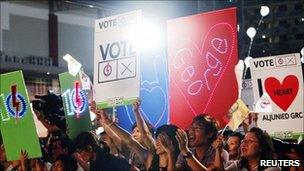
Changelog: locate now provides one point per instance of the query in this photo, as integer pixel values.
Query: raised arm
(147, 137)
(218, 145)
(191, 160)
(123, 134)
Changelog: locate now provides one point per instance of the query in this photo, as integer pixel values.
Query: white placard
(116, 60)
(281, 77)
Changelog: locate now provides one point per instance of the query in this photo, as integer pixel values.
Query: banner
(281, 77)
(202, 53)
(75, 103)
(17, 124)
(153, 91)
(116, 61)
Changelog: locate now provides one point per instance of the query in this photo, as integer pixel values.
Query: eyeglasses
(248, 141)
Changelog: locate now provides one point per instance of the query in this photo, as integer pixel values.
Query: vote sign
(116, 62)
(202, 52)
(17, 124)
(281, 77)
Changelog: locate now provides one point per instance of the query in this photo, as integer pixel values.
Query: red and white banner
(202, 52)
(281, 77)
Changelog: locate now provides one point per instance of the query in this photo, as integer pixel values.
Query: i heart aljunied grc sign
(281, 77)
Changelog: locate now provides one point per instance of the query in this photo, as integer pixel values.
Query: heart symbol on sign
(153, 113)
(215, 53)
(282, 94)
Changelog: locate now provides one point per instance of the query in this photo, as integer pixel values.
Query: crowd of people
(201, 147)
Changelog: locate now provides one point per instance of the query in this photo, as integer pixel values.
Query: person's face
(233, 143)
(159, 149)
(197, 136)
(57, 166)
(250, 146)
(136, 134)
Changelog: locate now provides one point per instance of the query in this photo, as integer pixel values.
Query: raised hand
(101, 115)
(182, 140)
(23, 156)
(218, 142)
(136, 105)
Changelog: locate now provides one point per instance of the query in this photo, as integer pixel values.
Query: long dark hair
(266, 147)
(170, 130)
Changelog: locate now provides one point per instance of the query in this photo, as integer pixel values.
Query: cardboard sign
(116, 60)
(75, 103)
(239, 113)
(281, 77)
(153, 91)
(202, 53)
(17, 124)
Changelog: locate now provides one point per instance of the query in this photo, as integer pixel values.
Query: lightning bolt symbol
(15, 102)
(78, 102)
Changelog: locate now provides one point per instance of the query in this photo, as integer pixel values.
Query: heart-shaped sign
(201, 63)
(282, 94)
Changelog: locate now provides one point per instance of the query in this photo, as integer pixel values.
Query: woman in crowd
(166, 149)
(255, 146)
(156, 155)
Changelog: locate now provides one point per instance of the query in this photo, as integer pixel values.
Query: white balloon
(247, 61)
(302, 51)
(264, 10)
(302, 59)
(251, 31)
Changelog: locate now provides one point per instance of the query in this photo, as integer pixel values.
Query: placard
(75, 104)
(17, 125)
(281, 77)
(202, 53)
(116, 60)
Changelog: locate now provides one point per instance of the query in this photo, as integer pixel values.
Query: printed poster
(17, 125)
(281, 77)
(75, 103)
(116, 60)
(202, 53)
